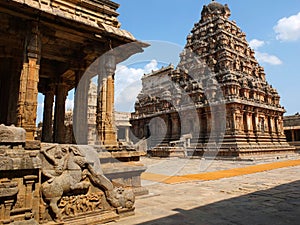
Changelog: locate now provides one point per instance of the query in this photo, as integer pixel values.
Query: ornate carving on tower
(217, 55)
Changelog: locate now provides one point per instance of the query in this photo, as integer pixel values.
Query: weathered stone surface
(33, 145)
(121, 198)
(26, 222)
(8, 189)
(6, 163)
(292, 121)
(12, 134)
(19, 180)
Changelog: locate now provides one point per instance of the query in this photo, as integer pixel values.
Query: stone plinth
(123, 168)
(19, 178)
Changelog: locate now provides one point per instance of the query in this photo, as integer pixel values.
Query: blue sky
(272, 27)
(170, 21)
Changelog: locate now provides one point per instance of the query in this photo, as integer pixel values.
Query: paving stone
(271, 197)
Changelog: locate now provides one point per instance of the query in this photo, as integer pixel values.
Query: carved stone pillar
(169, 124)
(106, 129)
(238, 122)
(280, 126)
(47, 135)
(59, 114)
(7, 208)
(8, 192)
(29, 182)
(255, 122)
(27, 103)
(271, 123)
(203, 124)
(230, 121)
(80, 117)
(209, 124)
(127, 139)
(248, 122)
(266, 124)
(176, 126)
(101, 110)
(293, 135)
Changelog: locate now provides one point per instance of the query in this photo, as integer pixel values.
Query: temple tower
(218, 67)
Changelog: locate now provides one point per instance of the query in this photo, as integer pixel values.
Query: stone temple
(216, 102)
(52, 47)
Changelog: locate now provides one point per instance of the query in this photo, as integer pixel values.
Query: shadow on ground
(276, 206)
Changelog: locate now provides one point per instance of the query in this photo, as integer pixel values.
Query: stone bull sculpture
(68, 174)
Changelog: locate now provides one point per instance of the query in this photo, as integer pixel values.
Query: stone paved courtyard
(270, 197)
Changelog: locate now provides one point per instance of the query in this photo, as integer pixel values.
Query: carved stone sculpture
(71, 172)
(121, 198)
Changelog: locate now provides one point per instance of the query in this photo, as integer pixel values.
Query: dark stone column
(13, 93)
(293, 135)
(47, 135)
(59, 114)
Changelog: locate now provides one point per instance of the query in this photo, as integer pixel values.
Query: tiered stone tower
(219, 75)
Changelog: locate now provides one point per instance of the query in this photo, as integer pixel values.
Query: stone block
(33, 145)
(6, 163)
(12, 134)
(8, 189)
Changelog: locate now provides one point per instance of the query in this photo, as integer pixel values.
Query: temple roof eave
(103, 25)
(125, 51)
(77, 10)
(77, 39)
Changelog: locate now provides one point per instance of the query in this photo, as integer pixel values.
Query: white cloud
(128, 84)
(151, 66)
(288, 28)
(255, 44)
(267, 58)
(263, 57)
(40, 109)
(69, 104)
